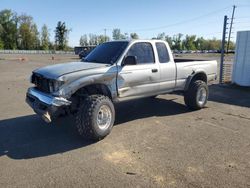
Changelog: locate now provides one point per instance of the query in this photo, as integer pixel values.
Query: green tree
(8, 29)
(45, 37)
(169, 40)
(134, 36)
(35, 37)
(24, 40)
(107, 38)
(101, 39)
(189, 42)
(200, 43)
(177, 42)
(1, 44)
(93, 39)
(161, 36)
(52, 46)
(61, 35)
(28, 33)
(213, 44)
(117, 35)
(231, 45)
(84, 40)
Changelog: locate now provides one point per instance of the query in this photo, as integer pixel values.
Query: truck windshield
(106, 53)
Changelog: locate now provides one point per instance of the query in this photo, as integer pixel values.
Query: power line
(219, 32)
(203, 24)
(240, 22)
(246, 5)
(174, 24)
(243, 17)
(182, 22)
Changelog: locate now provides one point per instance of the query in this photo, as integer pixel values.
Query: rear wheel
(196, 96)
(95, 117)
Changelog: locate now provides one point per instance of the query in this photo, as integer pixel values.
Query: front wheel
(196, 96)
(95, 117)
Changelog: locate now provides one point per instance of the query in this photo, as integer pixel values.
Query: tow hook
(46, 117)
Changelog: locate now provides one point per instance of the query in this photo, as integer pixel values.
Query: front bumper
(44, 104)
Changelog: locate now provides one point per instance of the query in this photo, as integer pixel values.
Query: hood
(55, 71)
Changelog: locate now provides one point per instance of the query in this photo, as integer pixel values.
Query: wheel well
(85, 91)
(200, 76)
(101, 89)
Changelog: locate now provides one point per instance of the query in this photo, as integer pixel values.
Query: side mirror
(130, 60)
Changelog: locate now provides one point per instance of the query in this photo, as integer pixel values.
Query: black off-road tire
(86, 117)
(190, 96)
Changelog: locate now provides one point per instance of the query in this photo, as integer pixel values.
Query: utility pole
(230, 30)
(223, 41)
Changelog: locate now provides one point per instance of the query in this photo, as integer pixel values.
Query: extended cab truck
(113, 72)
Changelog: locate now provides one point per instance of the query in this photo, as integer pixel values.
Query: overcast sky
(147, 18)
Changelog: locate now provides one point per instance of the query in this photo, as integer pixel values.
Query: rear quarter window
(162, 52)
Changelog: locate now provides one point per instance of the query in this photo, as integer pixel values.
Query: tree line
(93, 39)
(192, 42)
(21, 32)
(176, 42)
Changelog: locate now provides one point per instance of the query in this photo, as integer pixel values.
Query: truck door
(142, 78)
(167, 68)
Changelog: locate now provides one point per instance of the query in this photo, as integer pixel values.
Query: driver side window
(143, 52)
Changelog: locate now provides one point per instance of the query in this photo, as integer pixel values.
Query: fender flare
(199, 74)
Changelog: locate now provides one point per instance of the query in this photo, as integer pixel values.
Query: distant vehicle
(175, 52)
(113, 72)
(85, 52)
(79, 49)
(231, 51)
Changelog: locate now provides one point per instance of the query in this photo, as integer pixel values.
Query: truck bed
(186, 67)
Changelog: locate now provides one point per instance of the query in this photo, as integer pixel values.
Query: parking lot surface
(154, 143)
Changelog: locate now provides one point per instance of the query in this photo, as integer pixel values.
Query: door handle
(154, 70)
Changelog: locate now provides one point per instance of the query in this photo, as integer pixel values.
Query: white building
(241, 69)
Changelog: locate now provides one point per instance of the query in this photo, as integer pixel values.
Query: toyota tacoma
(116, 71)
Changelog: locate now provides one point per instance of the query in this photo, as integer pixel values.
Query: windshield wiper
(94, 60)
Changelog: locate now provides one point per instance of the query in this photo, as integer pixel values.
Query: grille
(41, 83)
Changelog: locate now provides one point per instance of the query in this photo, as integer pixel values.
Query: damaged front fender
(78, 80)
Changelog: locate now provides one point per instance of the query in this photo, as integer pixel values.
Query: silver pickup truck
(116, 71)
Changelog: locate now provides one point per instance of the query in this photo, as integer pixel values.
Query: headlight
(57, 85)
(54, 85)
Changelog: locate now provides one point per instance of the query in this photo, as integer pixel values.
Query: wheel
(95, 117)
(196, 96)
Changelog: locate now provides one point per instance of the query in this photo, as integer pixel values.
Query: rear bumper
(45, 105)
